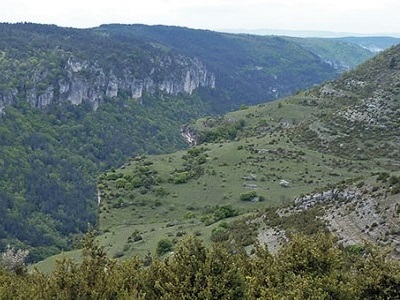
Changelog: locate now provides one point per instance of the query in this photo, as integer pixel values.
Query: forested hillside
(77, 102)
(50, 161)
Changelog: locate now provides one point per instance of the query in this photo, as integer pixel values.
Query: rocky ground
(354, 215)
(372, 218)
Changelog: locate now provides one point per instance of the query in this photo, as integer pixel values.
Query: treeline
(306, 268)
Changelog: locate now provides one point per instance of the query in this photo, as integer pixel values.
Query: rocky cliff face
(81, 80)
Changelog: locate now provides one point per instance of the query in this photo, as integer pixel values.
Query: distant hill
(373, 43)
(56, 64)
(87, 65)
(342, 55)
(308, 33)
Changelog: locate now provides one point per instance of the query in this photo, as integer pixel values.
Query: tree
(14, 260)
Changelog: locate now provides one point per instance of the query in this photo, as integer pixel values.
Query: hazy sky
(356, 16)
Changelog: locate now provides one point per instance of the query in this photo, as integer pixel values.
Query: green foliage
(342, 53)
(393, 180)
(383, 177)
(355, 249)
(220, 129)
(306, 268)
(253, 165)
(120, 183)
(248, 196)
(46, 187)
(219, 235)
(50, 158)
(217, 213)
(164, 246)
(49, 168)
(224, 211)
(182, 177)
(192, 166)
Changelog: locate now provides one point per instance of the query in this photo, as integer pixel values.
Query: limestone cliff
(80, 80)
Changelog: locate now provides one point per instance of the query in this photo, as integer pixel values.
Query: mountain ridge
(92, 77)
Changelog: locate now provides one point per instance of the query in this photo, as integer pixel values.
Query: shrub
(248, 196)
(181, 178)
(120, 183)
(219, 235)
(396, 190)
(224, 211)
(164, 246)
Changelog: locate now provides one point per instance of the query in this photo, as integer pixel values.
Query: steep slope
(47, 64)
(360, 111)
(248, 69)
(341, 54)
(329, 156)
(77, 102)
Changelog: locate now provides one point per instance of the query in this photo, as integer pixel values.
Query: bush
(164, 246)
(224, 211)
(181, 178)
(219, 235)
(248, 196)
(120, 183)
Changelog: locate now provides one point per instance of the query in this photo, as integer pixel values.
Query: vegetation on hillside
(306, 268)
(199, 218)
(50, 158)
(328, 140)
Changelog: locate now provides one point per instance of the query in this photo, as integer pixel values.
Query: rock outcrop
(80, 81)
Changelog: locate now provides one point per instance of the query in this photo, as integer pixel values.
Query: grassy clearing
(46, 266)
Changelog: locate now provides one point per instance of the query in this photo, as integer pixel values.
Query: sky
(350, 16)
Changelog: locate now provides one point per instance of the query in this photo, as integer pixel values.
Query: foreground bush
(306, 268)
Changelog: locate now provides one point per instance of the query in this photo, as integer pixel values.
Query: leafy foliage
(250, 62)
(164, 246)
(220, 129)
(306, 268)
